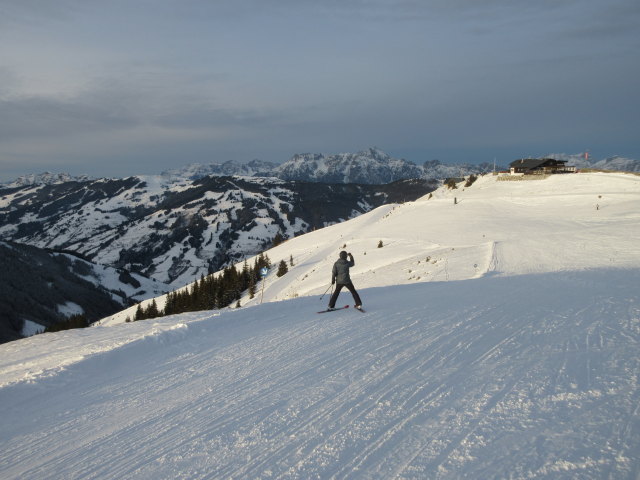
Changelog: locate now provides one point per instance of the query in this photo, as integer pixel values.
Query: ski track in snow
(453, 385)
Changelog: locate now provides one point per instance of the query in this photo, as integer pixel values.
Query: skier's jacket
(340, 273)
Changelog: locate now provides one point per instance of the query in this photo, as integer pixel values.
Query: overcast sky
(122, 87)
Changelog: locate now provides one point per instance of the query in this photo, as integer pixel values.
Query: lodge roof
(531, 163)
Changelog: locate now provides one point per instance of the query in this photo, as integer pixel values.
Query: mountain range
(369, 166)
(176, 232)
(614, 164)
(184, 223)
(171, 231)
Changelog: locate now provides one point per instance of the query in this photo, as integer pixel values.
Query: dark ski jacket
(340, 273)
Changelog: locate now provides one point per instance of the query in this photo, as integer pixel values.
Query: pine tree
(266, 262)
(252, 287)
(244, 276)
(277, 240)
(152, 310)
(282, 268)
(168, 304)
(139, 313)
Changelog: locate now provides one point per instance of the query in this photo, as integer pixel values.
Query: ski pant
(350, 287)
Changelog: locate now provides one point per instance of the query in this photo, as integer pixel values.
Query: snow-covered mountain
(174, 232)
(615, 163)
(41, 288)
(434, 169)
(46, 178)
(195, 171)
(500, 341)
(371, 166)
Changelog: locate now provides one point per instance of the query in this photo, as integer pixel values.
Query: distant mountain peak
(368, 166)
(195, 171)
(47, 178)
(615, 163)
(375, 152)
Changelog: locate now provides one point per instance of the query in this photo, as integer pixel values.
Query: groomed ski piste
(500, 340)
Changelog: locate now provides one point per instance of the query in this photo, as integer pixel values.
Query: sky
(123, 87)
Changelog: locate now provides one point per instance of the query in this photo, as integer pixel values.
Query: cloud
(614, 19)
(46, 117)
(37, 12)
(9, 81)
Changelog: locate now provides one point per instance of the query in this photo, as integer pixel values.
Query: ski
(333, 309)
(360, 309)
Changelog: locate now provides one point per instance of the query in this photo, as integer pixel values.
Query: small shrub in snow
(472, 178)
(282, 268)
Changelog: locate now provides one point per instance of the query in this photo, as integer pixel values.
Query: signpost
(263, 273)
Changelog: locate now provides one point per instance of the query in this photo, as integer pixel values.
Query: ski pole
(325, 292)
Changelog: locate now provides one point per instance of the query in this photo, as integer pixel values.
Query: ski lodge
(539, 166)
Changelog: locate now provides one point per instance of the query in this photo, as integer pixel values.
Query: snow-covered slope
(500, 341)
(562, 223)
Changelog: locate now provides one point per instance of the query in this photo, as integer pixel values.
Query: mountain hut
(539, 166)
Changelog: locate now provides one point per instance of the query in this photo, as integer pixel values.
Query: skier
(340, 277)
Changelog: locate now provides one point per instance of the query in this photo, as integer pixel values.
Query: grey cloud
(106, 103)
(418, 9)
(46, 117)
(613, 19)
(9, 81)
(35, 12)
(211, 117)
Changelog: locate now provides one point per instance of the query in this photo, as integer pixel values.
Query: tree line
(214, 291)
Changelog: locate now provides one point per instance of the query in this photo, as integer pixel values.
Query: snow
(500, 340)
(68, 309)
(31, 328)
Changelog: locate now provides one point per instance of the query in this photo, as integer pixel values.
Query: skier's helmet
(343, 255)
